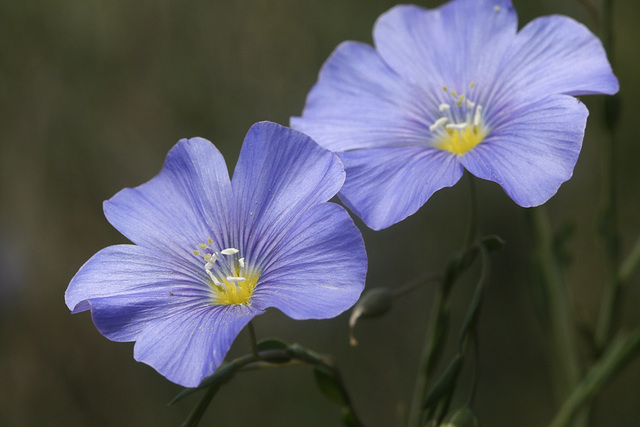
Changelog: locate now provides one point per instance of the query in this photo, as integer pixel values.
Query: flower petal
(454, 45)
(386, 185)
(556, 54)
(126, 287)
(188, 346)
(532, 154)
(320, 267)
(186, 203)
(359, 102)
(280, 174)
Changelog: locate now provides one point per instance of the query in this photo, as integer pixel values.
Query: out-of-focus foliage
(93, 93)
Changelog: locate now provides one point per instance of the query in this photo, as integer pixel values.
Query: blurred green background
(93, 93)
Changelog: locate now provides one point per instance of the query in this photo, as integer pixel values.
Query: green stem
(564, 355)
(619, 353)
(436, 335)
(431, 351)
(201, 407)
(613, 296)
(608, 314)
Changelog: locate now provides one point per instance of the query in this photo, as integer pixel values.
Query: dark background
(93, 93)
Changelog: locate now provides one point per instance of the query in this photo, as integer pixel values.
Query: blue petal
(386, 185)
(188, 346)
(182, 206)
(556, 54)
(534, 152)
(453, 45)
(127, 287)
(359, 102)
(280, 174)
(318, 268)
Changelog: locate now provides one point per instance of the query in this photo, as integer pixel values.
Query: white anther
(444, 107)
(213, 278)
(438, 123)
(229, 251)
(477, 117)
(235, 279)
(470, 104)
(456, 126)
(208, 266)
(241, 262)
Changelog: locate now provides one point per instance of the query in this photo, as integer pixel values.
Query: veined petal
(318, 268)
(386, 185)
(126, 287)
(453, 45)
(280, 174)
(188, 346)
(188, 201)
(556, 54)
(534, 152)
(359, 102)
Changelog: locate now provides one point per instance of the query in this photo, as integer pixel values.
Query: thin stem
(434, 341)
(196, 414)
(416, 283)
(565, 356)
(611, 299)
(619, 353)
(436, 335)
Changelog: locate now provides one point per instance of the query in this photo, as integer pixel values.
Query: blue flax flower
(209, 254)
(454, 88)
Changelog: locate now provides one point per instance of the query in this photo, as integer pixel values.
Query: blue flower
(455, 88)
(209, 254)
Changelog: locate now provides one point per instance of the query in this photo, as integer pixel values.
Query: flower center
(460, 126)
(231, 280)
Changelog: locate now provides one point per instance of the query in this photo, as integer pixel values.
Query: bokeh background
(93, 93)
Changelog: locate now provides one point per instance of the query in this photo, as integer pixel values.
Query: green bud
(373, 303)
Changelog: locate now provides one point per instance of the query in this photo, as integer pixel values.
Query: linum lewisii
(210, 253)
(455, 88)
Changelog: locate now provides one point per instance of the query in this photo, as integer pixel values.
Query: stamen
(196, 253)
(477, 117)
(229, 251)
(241, 262)
(236, 279)
(460, 126)
(456, 126)
(438, 123)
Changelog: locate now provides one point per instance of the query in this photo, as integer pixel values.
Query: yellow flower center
(460, 126)
(459, 141)
(231, 281)
(234, 292)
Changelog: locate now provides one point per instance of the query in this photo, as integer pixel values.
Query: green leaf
(329, 385)
(445, 384)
